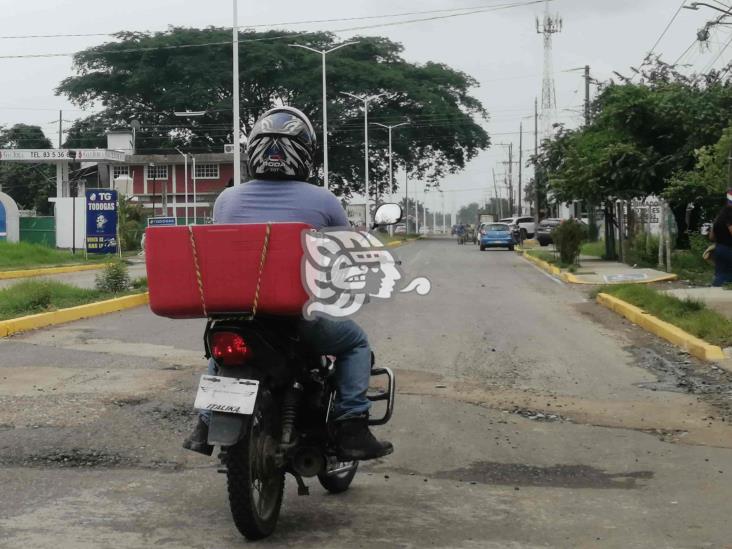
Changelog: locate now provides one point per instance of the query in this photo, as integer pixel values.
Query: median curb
(397, 243)
(42, 320)
(42, 271)
(551, 269)
(695, 346)
(574, 279)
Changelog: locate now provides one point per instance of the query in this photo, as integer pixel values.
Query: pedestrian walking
(720, 253)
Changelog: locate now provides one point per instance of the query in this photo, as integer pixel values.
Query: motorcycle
(272, 401)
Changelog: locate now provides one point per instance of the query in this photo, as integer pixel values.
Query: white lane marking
(547, 275)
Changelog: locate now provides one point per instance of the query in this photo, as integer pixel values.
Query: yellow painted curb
(33, 322)
(26, 273)
(695, 346)
(548, 267)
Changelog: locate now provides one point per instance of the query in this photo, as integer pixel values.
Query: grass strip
(692, 316)
(39, 296)
(24, 255)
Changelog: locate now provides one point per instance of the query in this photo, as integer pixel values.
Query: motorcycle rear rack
(387, 395)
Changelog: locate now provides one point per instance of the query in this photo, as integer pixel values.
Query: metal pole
(366, 160)
(536, 164)
(406, 194)
(444, 227)
(195, 200)
(521, 162)
(60, 129)
(424, 209)
(510, 178)
(587, 95)
(325, 128)
(235, 101)
(416, 209)
(185, 179)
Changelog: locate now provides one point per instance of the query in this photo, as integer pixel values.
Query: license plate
(226, 394)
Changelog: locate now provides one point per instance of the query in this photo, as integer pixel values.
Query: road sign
(34, 155)
(101, 221)
(161, 221)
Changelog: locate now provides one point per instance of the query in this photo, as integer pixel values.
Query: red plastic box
(229, 258)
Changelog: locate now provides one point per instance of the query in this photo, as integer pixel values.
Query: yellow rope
(265, 247)
(198, 270)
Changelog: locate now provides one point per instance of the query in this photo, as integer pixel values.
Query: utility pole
(60, 129)
(521, 165)
(499, 202)
(587, 95)
(235, 98)
(391, 170)
(536, 163)
(510, 178)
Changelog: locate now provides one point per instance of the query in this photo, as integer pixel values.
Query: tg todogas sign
(101, 221)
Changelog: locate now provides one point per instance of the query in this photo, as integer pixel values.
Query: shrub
(140, 283)
(568, 238)
(114, 278)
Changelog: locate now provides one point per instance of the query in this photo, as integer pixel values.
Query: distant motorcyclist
(280, 155)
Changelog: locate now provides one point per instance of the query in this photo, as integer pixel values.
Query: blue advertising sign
(161, 221)
(101, 221)
(3, 223)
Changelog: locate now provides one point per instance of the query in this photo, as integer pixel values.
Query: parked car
(544, 230)
(523, 226)
(497, 235)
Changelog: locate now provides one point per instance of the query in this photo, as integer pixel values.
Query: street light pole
(323, 53)
(366, 100)
(185, 180)
(391, 171)
(235, 98)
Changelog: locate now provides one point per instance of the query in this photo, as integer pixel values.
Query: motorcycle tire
(338, 483)
(255, 502)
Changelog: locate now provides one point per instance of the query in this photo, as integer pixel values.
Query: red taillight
(229, 348)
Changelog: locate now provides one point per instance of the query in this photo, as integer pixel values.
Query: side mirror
(388, 214)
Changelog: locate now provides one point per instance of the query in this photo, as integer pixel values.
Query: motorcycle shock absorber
(289, 413)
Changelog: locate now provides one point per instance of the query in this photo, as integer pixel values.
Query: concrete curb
(33, 322)
(27, 273)
(695, 346)
(397, 243)
(573, 279)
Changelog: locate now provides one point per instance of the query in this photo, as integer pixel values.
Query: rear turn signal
(229, 348)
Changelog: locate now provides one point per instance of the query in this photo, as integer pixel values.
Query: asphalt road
(527, 416)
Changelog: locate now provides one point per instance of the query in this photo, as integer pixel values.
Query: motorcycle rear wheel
(339, 483)
(254, 481)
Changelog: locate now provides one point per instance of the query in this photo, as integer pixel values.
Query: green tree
(149, 76)
(30, 185)
(469, 213)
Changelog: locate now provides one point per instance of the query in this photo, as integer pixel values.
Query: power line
(267, 25)
(281, 37)
(668, 26)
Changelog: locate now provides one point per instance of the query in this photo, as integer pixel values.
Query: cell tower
(548, 26)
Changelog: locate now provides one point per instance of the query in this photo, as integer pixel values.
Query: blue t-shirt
(260, 201)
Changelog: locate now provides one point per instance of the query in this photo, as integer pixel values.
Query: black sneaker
(197, 441)
(355, 442)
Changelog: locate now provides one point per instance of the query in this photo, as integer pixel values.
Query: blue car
(496, 235)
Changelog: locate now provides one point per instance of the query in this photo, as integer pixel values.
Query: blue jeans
(345, 340)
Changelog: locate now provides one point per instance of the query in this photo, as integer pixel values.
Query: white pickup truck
(525, 225)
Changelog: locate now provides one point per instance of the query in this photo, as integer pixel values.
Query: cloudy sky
(499, 48)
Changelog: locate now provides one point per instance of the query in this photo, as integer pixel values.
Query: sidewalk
(717, 299)
(82, 279)
(594, 270)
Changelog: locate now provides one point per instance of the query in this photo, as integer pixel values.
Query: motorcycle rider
(280, 153)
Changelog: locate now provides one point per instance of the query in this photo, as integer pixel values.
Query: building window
(120, 171)
(207, 171)
(157, 172)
